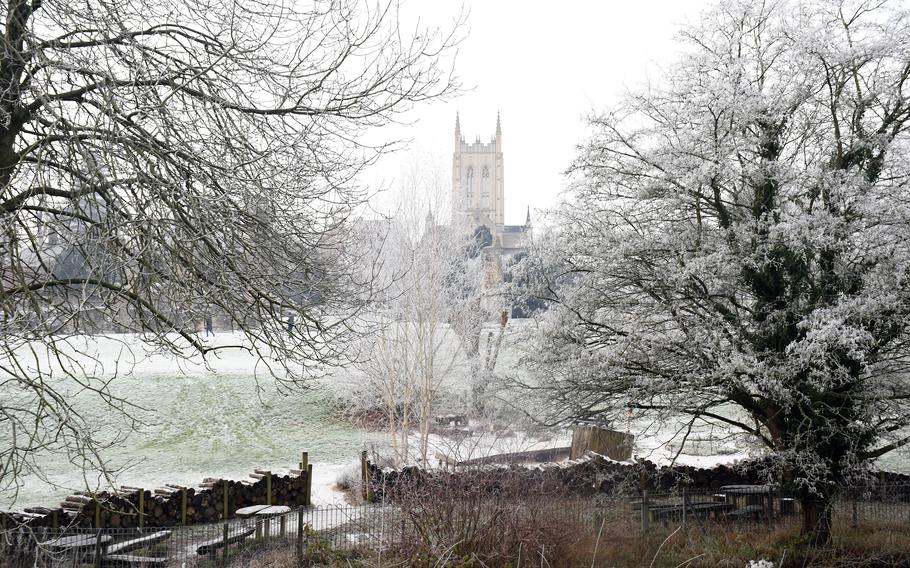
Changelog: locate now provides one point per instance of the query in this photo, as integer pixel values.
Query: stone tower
(477, 181)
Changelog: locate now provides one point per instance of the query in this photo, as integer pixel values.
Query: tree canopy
(736, 250)
(163, 161)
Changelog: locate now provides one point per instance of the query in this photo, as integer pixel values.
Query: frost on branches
(737, 248)
(165, 163)
(419, 336)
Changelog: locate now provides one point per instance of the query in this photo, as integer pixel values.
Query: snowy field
(202, 422)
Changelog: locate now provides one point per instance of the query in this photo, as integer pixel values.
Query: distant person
(208, 326)
(291, 323)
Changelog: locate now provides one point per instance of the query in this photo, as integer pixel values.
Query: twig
(653, 560)
(597, 542)
(474, 554)
(543, 559)
(685, 562)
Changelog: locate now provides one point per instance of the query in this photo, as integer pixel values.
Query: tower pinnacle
(498, 125)
(528, 218)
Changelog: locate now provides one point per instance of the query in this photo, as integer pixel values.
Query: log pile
(172, 505)
(164, 507)
(592, 475)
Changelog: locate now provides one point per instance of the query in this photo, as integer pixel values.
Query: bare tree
(411, 341)
(737, 252)
(162, 161)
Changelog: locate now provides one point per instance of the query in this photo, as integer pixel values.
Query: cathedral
(478, 194)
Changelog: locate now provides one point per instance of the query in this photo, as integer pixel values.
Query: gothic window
(470, 179)
(485, 182)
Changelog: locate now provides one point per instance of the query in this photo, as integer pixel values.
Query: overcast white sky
(544, 66)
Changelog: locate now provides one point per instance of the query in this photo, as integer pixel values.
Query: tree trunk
(817, 517)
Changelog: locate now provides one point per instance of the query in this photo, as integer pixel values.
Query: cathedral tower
(477, 181)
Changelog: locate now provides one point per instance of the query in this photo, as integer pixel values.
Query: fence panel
(380, 528)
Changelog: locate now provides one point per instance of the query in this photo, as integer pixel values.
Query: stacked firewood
(175, 505)
(588, 476)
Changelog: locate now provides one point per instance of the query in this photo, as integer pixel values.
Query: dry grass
(621, 544)
(719, 545)
(542, 535)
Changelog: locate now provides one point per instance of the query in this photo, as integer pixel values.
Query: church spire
(528, 218)
(457, 126)
(498, 125)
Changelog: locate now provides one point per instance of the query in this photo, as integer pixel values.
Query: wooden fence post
(183, 506)
(770, 506)
(268, 488)
(306, 469)
(225, 499)
(685, 506)
(309, 485)
(141, 507)
(363, 475)
(645, 513)
(97, 513)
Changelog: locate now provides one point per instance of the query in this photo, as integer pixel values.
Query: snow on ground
(209, 420)
(200, 422)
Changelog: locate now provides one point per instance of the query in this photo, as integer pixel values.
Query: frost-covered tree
(416, 334)
(163, 160)
(737, 249)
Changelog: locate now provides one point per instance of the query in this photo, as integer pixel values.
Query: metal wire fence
(376, 528)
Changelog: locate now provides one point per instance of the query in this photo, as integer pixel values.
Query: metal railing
(195, 545)
(377, 528)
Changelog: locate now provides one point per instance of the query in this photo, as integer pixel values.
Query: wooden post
(97, 513)
(309, 484)
(268, 488)
(300, 534)
(770, 507)
(258, 529)
(225, 499)
(282, 526)
(226, 546)
(685, 506)
(306, 469)
(98, 550)
(55, 520)
(183, 506)
(363, 475)
(645, 513)
(141, 507)
(367, 493)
